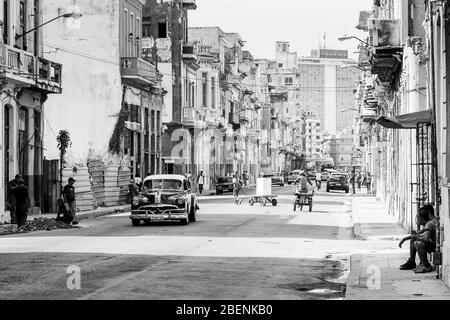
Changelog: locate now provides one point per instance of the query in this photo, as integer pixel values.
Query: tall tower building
(327, 79)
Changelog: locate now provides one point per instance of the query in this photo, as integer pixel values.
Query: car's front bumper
(338, 187)
(168, 215)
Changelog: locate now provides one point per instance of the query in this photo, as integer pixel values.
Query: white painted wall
(92, 91)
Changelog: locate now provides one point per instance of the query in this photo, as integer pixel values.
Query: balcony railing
(21, 67)
(138, 71)
(49, 75)
(191, 118)
(189, 4)
(189, 52)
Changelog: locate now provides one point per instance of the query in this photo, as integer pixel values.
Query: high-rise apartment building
(326, 81)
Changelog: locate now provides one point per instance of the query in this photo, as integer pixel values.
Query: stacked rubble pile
(43, 224)
(112, 191)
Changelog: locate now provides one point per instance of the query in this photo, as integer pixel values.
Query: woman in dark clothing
(22, 203)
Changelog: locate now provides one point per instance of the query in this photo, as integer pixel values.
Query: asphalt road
(232, 252)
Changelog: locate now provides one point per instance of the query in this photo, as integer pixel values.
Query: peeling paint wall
(91, 80)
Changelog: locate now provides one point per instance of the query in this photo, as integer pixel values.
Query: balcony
(25, 70)
(17, 66)
(368, 115)
(274, 114)
(48, 76)
(189, 4)
(244, 116)
(192, 119)
(189, 52)
(138, 72)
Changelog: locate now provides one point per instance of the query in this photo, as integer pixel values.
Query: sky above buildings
(304, 23)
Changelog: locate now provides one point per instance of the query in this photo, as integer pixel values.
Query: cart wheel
(252, 202)
(264, 203)
(274, 202)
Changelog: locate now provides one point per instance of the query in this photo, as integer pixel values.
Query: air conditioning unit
(383, 33)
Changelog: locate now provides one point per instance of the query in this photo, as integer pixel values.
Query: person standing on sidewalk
(70, 199)
(22, 202)
(422, 242)
(11, 198)
(201, 182)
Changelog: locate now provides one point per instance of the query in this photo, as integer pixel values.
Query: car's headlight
(180, 202)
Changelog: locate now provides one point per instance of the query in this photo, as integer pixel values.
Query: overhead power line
(230, 83)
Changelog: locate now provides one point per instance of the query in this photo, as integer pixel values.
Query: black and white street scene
(224, 150)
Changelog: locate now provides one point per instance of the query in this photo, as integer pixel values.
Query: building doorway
(7, 145)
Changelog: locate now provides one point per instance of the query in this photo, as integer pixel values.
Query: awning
(406, 121)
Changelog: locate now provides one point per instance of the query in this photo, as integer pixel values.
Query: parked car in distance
(326, 174)
(338, 181)
(164, 198)
(224, 184)
(293, 176)
(277, 179)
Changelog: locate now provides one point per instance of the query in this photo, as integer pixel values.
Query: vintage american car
(164, 198)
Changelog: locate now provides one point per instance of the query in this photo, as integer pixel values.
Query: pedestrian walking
(319, 180)
(70, 198)
(359, 181)
(189, 179)
(11, 200)
(369, 183)
(237, 184)
(201, 182)
(22, 202)
(246, 178)
(138, 181)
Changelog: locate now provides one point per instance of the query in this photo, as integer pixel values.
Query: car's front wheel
(136, 223)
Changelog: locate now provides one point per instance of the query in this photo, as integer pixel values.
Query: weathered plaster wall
(92, 92)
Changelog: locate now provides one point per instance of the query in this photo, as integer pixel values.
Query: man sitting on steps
(422, 242)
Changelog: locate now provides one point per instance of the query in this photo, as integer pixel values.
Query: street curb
(8, 229)
(357, 231)
(106, 212)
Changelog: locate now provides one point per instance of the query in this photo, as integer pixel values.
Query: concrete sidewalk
(100, 212)
(377, 276)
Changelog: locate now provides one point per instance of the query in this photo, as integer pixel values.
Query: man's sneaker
(424, 269)
(410, 265)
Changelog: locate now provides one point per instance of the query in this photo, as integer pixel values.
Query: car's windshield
(159, 184)
(225, 180)
(340, 178)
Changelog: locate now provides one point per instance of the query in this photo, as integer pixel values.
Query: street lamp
(344, 38)
(74, 15)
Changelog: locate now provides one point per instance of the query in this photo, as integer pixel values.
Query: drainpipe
(438, 254)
